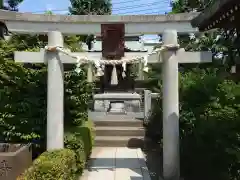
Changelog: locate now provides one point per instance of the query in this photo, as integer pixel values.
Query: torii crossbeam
(85, 24)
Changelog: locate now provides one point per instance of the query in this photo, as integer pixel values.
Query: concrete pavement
(116, 163)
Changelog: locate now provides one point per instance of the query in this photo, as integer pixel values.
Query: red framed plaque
(113, 40)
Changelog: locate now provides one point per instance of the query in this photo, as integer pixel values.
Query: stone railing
(148, 96)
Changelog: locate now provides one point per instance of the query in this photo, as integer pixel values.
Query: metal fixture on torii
(170, 56)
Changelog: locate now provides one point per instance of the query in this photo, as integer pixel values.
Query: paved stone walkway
(116, 163)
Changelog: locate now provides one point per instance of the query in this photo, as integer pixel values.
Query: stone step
(119, 131)
(101, 116)
(119, 141)
(119, 123)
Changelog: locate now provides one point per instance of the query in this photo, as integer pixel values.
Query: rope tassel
(99, 68)
(124, 65)
(145, 62)
(114, 79)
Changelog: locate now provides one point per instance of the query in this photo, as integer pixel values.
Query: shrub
(154, 124)
(80, 139)
(76, 144)
(209, 126)
(88, 133)
(67, 163)
(52, 165)
(77, 95)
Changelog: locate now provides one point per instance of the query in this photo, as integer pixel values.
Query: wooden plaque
(113, 40)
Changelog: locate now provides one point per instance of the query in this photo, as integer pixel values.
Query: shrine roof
(29, 17)
(217, 14)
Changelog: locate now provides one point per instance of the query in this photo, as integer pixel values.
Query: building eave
(212, 16)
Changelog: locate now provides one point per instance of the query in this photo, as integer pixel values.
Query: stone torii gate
(170, 55)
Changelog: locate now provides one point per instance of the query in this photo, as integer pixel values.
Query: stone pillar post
(171, 167)
(55, 94)
(147, 104)
(140, 71)
(90, 73)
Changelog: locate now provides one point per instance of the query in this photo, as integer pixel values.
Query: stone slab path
(116, 163)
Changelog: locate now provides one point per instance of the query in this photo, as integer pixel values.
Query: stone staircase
(119, 131)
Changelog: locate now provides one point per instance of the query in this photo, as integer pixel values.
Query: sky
(121, 7)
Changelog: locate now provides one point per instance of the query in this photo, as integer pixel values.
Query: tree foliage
(181, 6)
(86, 7)
(90, 7)
(23, 93)
(209, 121)
(11, 5)
(209, 125)
(224, 44)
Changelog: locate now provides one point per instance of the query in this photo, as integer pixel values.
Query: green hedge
(81, 140)
(52, 165)
(70, 162)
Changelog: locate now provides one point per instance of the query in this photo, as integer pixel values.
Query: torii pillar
(170, 60)
(55, 87)
(55, 93)
(171, 158)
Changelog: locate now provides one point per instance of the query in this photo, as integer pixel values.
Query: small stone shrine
(113, 44)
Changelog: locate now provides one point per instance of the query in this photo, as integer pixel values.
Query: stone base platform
(118, 102)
